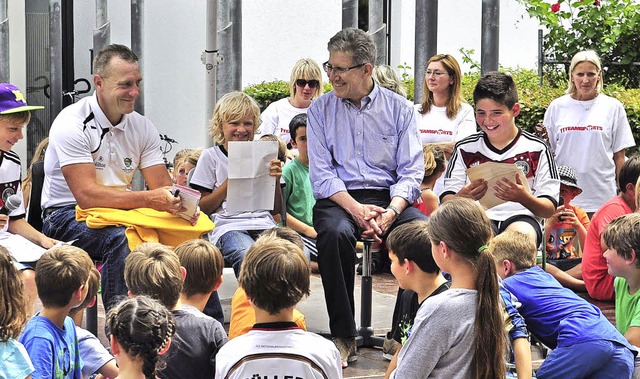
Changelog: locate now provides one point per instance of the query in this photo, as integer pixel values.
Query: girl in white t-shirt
(305, 84)
(443, 117)
(589, 131)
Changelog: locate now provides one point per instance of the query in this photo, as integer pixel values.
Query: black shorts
(501, 226)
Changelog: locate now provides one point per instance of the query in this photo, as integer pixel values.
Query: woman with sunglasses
(443, 117)
(304, 86)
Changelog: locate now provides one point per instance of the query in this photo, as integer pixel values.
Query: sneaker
(347, 349)
(389, 348)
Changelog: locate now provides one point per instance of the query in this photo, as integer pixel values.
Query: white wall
(17, 52)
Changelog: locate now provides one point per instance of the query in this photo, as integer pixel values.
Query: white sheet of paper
(21, 248)
(250, 187)
(492, 172)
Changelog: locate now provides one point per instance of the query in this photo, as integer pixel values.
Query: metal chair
(365, 337)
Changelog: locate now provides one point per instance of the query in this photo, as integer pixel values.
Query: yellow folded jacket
(146, 224)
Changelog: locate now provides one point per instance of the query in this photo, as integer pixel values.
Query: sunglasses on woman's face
(312, 83)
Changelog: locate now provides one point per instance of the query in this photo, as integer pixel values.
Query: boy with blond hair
(275, 276)
(50, 337)
(154, 270)
(203, 264)
(584, 343)
(95, 356)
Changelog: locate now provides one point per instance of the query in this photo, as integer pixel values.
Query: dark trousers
(337, 236)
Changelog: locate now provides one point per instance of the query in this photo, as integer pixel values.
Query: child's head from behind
(462, 225)
(516, 248)
(282, 147)
(61, 272)
(142, 327)
(286, 234)
(622, 238)
(93, 285)
(153, 269)
(13, 305)
(409, 245)
(236, 117)
(434, 160)
(274, 274)
(203, 263)
(411, 242)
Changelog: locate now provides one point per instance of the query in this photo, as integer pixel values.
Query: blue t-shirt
(556, 315)
(15, 360)
(53, 351)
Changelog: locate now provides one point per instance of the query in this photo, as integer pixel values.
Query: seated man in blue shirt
(366, 165)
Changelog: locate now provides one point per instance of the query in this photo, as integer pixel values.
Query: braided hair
(143, 327)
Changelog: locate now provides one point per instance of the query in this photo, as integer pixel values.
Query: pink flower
(596, 3)
(556, 7)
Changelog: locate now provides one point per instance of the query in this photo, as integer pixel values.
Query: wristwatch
(395, 210)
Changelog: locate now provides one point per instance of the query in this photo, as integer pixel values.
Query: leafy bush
(533, 98)
(610, 27)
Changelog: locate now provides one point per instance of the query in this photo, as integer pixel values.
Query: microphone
(11, 204)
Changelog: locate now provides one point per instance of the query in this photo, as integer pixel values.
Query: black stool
(365, 336)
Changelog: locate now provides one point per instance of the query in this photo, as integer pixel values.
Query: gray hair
(101, 61)
(356, 43)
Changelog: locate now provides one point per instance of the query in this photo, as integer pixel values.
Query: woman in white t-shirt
(443, 117)
(589, 131)
(305, 84)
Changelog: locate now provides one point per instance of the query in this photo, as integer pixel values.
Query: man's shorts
(501, 226)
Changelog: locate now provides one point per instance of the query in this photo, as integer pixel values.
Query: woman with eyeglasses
(443, 117)
(305, 85)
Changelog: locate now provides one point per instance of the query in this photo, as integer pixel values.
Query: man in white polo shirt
(95, 145)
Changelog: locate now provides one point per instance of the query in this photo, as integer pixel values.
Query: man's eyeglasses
(312, 83)
(338, 70)
(437, 74)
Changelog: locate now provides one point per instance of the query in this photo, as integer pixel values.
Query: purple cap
(13, 101)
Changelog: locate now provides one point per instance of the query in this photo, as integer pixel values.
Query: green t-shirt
(627, 306)
(300, 199)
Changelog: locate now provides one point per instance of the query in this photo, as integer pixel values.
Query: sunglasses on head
(312, 83)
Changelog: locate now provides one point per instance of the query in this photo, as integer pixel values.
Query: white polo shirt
(82, 134)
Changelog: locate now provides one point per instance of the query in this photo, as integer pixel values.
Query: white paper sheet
(492, 172)
(21, 248)
(250, 187)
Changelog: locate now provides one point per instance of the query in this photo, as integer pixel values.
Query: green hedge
(534, 98)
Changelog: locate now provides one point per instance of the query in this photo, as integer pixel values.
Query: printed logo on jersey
(128, 167)
(99, 163)
(7, 190)
(526, 161)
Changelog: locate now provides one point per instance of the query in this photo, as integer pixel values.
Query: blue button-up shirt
(375, 147)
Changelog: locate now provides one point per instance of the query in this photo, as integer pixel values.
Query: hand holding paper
(251, 184)
(505, 182)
